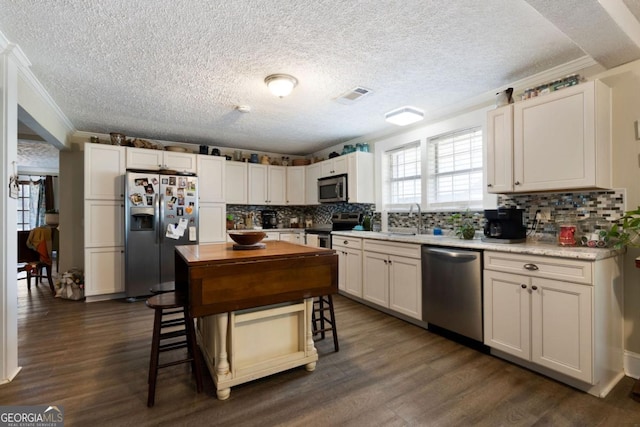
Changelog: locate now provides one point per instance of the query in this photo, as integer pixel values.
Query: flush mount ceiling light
(404, 116)
(281, 84)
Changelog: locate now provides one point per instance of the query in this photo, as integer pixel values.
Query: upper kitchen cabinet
(561, 141)
(295, 185)
(313, 172)
(235, 183)
(500, 150)
(104, 167)
(334, 166)
(142, 158)
(267, 185)
(211, 174)
(360, 177)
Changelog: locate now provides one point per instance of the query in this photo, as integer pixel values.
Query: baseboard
(632, 364)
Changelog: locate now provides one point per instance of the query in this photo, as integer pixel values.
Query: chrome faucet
(419, 216)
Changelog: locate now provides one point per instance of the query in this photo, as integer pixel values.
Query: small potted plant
(626, 232)
(230, 222)
(463, 226)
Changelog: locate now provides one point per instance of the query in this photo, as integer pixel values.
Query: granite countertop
(528, 248)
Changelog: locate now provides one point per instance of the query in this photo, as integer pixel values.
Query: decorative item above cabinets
(560, 141)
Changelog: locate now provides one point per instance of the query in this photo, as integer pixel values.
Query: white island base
(245, 345)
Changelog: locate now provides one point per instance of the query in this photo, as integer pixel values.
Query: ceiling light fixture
(281, 84)
(404, 116)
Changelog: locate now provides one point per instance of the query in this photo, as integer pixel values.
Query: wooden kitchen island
(254, 306)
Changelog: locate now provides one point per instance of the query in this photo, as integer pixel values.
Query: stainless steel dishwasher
(452, 290)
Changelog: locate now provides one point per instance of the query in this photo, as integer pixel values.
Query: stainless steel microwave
(332, 189)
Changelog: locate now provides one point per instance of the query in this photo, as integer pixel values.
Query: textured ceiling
(176, 70)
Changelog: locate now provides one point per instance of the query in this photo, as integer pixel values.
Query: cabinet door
(104, 271)
(500, 150)
(342, 268)
(507, 313)
(277, 185)
(353, 272)
(235, 182)
(212, 222)
(292, 237)
(313, 172)
(405, 286)
(375, 283)
(211, 175)
(103, 223)
(340, 165)
(181, 162)
(360, 182)
(561, 327)
(104, 169)
(143, 158)
(296, 185)
(554, 140)
(258, 185)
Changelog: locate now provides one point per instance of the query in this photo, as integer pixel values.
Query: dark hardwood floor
(92, 359)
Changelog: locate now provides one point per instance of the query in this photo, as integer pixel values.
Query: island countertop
(217, 279)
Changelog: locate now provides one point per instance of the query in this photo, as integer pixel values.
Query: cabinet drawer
(346, 242)
(393, 248)
(540, 266)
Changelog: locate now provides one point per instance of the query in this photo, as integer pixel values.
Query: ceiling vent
(353, 95)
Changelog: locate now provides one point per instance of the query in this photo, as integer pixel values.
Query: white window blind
(405, 181)
(455, 170)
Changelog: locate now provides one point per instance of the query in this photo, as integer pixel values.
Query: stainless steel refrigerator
(161, 212)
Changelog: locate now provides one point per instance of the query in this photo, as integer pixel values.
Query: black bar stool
(172, 330)
(321, 323)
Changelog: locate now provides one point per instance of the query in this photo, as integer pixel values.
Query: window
(405, 180)
(23, 206)
(455, 170)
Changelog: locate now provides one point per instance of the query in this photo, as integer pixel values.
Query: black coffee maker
(269, 219)
(504, 225)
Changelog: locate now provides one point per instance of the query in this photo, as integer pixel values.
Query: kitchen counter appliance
(269, 219)
(452, 290)
(504, 225)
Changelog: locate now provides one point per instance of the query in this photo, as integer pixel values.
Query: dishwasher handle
(451, 253)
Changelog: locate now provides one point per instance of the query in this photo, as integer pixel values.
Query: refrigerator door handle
(160, 209)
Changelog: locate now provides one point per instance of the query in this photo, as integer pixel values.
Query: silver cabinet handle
(531, 267)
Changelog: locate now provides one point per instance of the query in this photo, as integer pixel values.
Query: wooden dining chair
(29, 261)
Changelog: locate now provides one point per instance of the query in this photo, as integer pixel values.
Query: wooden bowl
(247, 237)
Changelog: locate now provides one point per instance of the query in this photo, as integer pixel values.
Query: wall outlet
(545, 214)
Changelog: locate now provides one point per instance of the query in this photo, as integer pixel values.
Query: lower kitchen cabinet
(104, 271)
(349, 250)
(560, 315)
(293, 237)
(392, 276)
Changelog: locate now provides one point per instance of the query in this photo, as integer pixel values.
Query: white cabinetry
(313, 172)
(560, 141)
(211, 178)
(561, 315)
(392, 276)
(104, 169)
(335, 166)
(349, 250)
(293, 237)
(500, 150)
(211, 196)
(295, 182)
(267, 185)
(143, 158)
(360, 178)
(235, 183)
